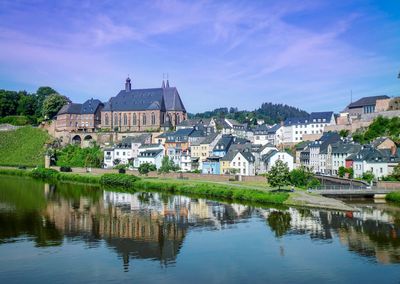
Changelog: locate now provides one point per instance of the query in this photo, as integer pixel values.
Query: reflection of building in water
(371, 232)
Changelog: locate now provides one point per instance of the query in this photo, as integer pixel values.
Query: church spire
(128, 86)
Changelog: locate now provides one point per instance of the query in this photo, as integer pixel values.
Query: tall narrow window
(153, 118)
(134, 119)
(106, 119)
(115, 119)
(125, 119)
(144, 119)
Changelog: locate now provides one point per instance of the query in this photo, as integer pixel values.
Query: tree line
(22, 108)
(269, 112)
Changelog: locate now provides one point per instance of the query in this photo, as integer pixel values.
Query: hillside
(269, 112)
(24, 146)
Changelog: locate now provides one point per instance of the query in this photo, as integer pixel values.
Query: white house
(273, 156)
(295, 128)
(186, 162)
(243, 162)
(150, 153)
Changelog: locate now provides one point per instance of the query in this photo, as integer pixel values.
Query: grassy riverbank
(23, 147)
(130, 182)
(393, 196)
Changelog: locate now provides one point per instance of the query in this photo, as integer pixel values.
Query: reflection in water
(154, 225)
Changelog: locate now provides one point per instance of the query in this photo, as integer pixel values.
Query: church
(143, 109)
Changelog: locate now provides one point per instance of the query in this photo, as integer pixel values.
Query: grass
(131, 182)
(23, 147)
(393, 196)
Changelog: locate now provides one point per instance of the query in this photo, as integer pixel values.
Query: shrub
(118, 180)
(65, 169)
(43, 173)
(145, 168)
(121, 171)
(313, 183)
(393, 196)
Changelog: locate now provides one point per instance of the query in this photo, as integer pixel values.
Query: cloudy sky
(309, 54)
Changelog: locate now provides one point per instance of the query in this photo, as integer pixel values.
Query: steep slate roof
(181, 135)
(88, 107)
(164, 99)
(261, 129)
(326, 139)
(274, 128)
(150, 153)
(323, 116)
(224, 143)
(231, 154)
(194, 122)
(268, 156)
(366, 101)
(373, 155)
(209, 139)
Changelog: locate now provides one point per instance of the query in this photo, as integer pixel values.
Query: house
(299, 148)
(185, 164)
(275, 135)
(211, 165)
(295, 128)
(383, 143)
(209, 124)
(336, 155)
(79, 117)
(222, 146)
(269, 160)
(317, 151)
(240, 162)
(121, 153)
(176, 143)
(151, 156)
(378, 161)
(260, 135)
(150, 153)
(204, 148)
(230, 126)
(363, 106)
(143, 109)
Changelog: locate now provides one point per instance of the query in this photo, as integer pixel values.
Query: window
(153, 118)
(134, 119)
(125, 119)
(144, 119)
(115, 119)
(106, 119)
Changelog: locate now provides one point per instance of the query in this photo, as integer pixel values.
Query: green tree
(279, 175)
(350, 171)
(368, 176)
(168, 165)
(145, 168)
(8, 103)
(396, 172)
(26, 104)
(344, 133)
(41, 94)
(52, 104)
(300, 176)
(341, 171)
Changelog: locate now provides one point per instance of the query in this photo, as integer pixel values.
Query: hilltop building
(143, 109)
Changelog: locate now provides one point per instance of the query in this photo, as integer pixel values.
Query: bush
(145, 168)
(65, 169)
(393, 196)
(43, 173)
(75, 156)
(22, 167)
(300, 177)
(121, 171)
(18, 120)
(314, 183)
(118, 180)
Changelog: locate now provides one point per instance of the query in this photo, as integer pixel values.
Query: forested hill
(271, 113)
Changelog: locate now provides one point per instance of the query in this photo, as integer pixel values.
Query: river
(76, 233)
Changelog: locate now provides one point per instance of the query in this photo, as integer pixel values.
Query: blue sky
(309, 54)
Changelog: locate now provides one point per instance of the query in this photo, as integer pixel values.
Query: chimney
(128, 86)
(393, 150)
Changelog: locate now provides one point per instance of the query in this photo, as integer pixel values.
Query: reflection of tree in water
(279, 222)
(32, 224)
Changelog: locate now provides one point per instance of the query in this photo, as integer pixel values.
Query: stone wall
(188, 176)
(389, 184)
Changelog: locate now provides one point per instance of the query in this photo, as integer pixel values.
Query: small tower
(163, 84)
(128, 86)
(167, 86)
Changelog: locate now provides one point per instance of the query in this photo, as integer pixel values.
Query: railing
(341, 187)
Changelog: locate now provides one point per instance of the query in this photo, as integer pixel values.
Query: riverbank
(232, 192)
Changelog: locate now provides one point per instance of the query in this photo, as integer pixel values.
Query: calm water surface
(73, 233)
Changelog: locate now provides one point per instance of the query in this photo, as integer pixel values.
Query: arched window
(115, 119)
(125, 119)
(153, 118)
(134, 119)
(178, 119)
(106, 119)
(144, 119)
